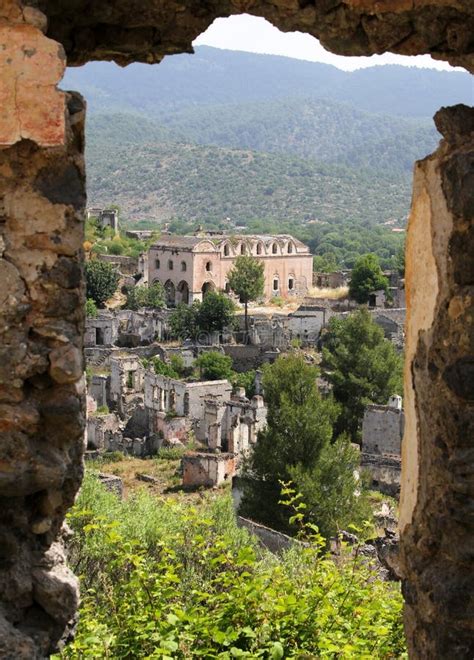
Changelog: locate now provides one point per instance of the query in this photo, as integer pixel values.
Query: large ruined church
(190, 266)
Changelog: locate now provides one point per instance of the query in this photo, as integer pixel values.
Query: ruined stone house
(190, 266)
(382, 433)
(167, 398)
(42, 205)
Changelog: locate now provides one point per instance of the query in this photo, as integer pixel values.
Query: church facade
(190, 266)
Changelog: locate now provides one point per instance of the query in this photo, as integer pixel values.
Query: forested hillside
(151, 178)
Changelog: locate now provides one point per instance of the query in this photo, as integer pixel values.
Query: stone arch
(183, 291)
(170, 292)
(259, 248)
(207, 287)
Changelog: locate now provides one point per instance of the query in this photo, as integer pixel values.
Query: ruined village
(137, 410)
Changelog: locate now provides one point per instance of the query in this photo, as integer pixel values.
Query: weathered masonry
(42, 200)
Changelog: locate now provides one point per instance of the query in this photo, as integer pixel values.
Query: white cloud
(256, 35)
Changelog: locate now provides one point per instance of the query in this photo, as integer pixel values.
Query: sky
(256, 35)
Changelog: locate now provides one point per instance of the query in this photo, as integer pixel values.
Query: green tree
(331, 490)
(325, 263)
(400, 260)
(366, 277)
(296, 446)
(183, 321)
(213, 365)
(144, 296)
(101, 281)
(91, 308)
(362, 366)
(246, 280)
(215, 312)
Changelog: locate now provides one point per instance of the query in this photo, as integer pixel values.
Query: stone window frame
(170, 264)
(184, 267)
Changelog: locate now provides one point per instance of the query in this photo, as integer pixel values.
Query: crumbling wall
(42, 388)
(382, 430)
(436, 513)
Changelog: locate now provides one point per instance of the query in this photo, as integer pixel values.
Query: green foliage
(171, 453)
(177, 364)
(215, 313)
(246, 379)
(213, 365)
(246, 278)
(362, 366)
(91, 308)
(326, 263)
(400, 260)
(164, 369)
(101, 281)
(333, 495)
(164, 579)
(102, 410)
(296, 445)
(366, 277)
(183, 321)
(146, 296)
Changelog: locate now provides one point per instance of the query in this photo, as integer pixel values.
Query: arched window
(290, 247)
(170, 265)
(259, 248)
(208, 266)
(242, 248)
(157, 263)
(183, 266)
(226, 250)
(276, 284)
(274, 248)
(291, 284)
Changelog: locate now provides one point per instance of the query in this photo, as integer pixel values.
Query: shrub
(165, 579)
(101, 281)
(91, 308)
(214, 366)
(246, 380)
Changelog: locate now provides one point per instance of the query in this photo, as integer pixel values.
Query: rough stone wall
(146, 30)
(437, 499)
(382, 430)
(42, 388)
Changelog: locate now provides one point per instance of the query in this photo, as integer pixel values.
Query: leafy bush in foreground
(164, 579)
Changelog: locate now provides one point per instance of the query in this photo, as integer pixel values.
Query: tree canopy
(297, 446)
(213, 365)
(366, 277)
(215, 312)
(101, 281)
(362, 366)
(247, 281)
(146, 296)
